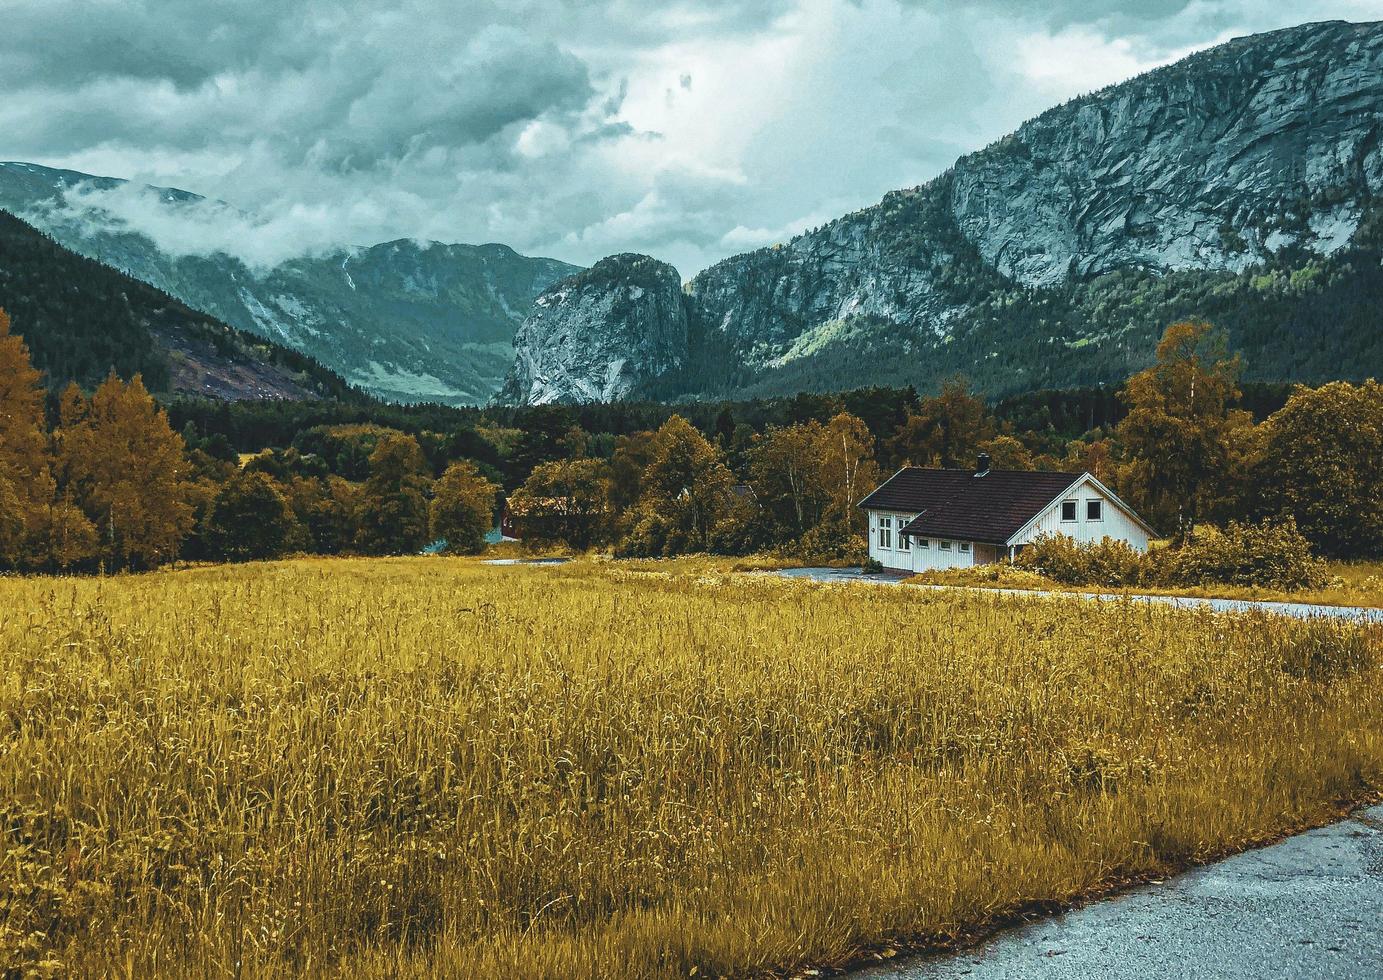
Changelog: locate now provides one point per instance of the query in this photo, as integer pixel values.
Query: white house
(924, 519)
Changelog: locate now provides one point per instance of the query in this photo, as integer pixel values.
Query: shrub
(1268, 555)
(832, 541)
(1063, 559)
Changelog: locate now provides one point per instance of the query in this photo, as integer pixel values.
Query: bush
(1066, 560)
(832, 542)
(1268, 555)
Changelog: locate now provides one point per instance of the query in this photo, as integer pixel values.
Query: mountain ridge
(82, 320)
(1252, 160)
(436, 324)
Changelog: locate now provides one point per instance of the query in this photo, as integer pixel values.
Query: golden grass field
(432, 767)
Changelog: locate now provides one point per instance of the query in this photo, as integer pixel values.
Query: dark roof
(958, 504)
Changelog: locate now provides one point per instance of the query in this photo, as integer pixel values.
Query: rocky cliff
(1236, 184)
(601, 334)
(406, 320)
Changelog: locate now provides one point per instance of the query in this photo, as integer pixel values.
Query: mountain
(82, 320)
(601, 335)
(407, 321)
(1238, 185)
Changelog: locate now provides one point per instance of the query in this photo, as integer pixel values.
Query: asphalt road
(1300, 610)
(1310, 906)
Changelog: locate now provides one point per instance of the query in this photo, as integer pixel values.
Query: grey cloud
(563, 127)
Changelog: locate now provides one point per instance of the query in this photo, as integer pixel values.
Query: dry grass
(431, 767)
(1357, 583)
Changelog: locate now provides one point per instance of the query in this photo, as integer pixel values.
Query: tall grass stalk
(434, 767)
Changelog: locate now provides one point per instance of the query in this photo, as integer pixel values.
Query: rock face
(598, 335)
(407, 321)
(1262, 152)
(1215, 162)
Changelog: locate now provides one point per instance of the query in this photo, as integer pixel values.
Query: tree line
(112, 480)
(1185, 452)
(110, 485)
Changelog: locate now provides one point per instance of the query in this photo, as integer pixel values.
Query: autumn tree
(26, 480)
(325, 509)
(785, 469)
(463, 508)
(1007, 452)
(686, 493)
(810, 475)
(1180, 430)
(631, 458)
(943, 431)
(566, 501)
(249, 519)
(394, 506)
(124, 466)
(845, 450)
(1321, 464)
(1095, 456)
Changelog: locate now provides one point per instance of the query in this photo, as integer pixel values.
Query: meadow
(433, 767)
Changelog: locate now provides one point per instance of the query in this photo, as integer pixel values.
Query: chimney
(982, 464)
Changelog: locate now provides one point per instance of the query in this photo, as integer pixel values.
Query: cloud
(686, 128)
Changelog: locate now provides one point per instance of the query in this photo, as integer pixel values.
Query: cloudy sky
(570, 128)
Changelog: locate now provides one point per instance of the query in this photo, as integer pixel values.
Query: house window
(944, 545)
(923, 543)
(885, 532)
(1068, 510)
(1094, 510)
(903, 543)
(965, 546)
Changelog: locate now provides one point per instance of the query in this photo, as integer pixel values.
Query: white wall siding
(917, 558)
(1115, 522)
(893, 556)
(934, 557)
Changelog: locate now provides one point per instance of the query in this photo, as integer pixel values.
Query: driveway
(524, 561)
(1310, 906)
(1300, 610)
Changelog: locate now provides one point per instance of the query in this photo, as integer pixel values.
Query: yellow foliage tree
(1180, 431)
(125, 467)
(686, 493)
(37, 529)
(26, 482)
(463, 508)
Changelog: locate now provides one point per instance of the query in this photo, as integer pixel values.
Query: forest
(115, 480)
